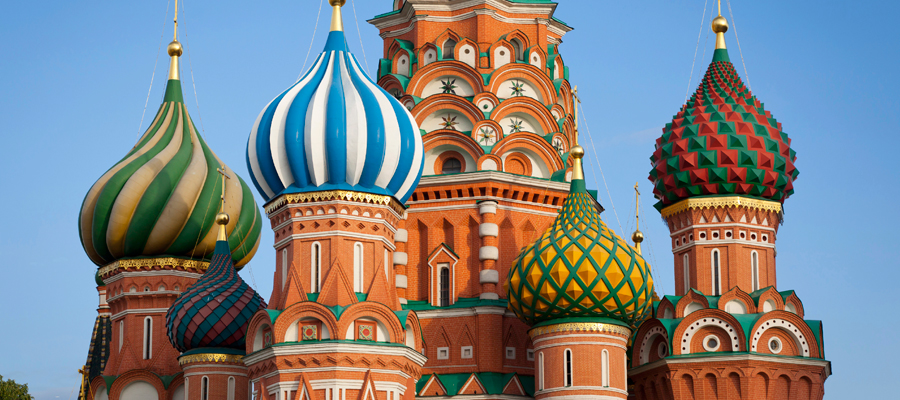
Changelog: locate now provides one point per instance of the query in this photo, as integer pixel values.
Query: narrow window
(604, 366)
(358, 285)
(148, 338)
(204, 388)
(451, 166)
(121, 334)
(316, 270)
(445, 287)
(716, 284)
(284, 270)
(541, 370)
(754, 265)
(568, 367)
(517, 49)
(230, 388)
(687, 273)
(387, 266)
(186, 389)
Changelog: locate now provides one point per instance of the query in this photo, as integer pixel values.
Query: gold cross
(637, 207)
(224, 177)
(577, 103)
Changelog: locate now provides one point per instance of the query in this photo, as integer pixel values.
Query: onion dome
(214, 311)
(579, 267)
(722, 142)
(335, 129)
(161, 199)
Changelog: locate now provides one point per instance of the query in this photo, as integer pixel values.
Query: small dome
(722, 142)
(214, 311)
(162, 198)
(580, 268)
(335, 129)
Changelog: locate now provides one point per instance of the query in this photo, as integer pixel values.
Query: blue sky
(75, 79)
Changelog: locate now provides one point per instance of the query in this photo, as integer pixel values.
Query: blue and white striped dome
(335, 129)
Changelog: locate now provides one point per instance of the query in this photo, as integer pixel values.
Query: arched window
(121, 334)
(716, 274)
(148, 338)
(568, 371)
(231, 388)
(687, 272)
(447, 50)
(517, 49)
(284, 269)
(204, 388)
(541, 371)
(358, 285)
(754, 269)
(186, 389)
(445, 286)
(316, 267)
(604, 367)
(451, 166)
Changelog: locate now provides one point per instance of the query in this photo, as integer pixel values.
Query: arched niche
(518, 122)
(519, 87)
(139, 390)
(468, 54)
(447, 119)
(538, 168)
(448, 84)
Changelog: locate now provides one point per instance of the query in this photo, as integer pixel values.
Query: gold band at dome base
(138, 263)
(720, 202)
(294, 198)
(210, 358)
(579, 327)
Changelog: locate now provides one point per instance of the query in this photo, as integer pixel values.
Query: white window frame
(604, 367)
(716, 273)
(687, 272)
(387, 265)
(231, 384)
(315, 259)
(284, 272)
(568, 379)
(510, 353)
(358, 267)
(529, 354)
(541, 370)
(443, 353)
(204, 388)
(148, 338)
(464, 349)
(121, 333)
(754, 269)
(440, 285)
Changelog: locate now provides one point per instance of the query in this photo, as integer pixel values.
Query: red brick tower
(490, 92)
(721, 172)
(148, 224)
(335, 156)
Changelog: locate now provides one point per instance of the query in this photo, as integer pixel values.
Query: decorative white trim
(462, 312)
(493, 176)
(487, 207)
(342, 202)
(165, 272)
(463, 349)
(553, 213)
(704, 322)
(377, 221)
(547, 346)
(401, 236)
(776, 340)
(707, 346)
(408, 15)
(488, 253)
(719, 242)
(331, 348)
(443, 353)
(401, 258)
(488, 229)
(139, 311)
(330, 234)
(576, 335)
(786, 326)
(644, 356)
(401, 281)
(332, 369)
(488, 276)
(216, 372)
(723, 357)
(577, 388)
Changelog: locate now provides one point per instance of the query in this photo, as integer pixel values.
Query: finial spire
(720, 26)
(638, 236)
(337, 21)
(577, 102)
(174, 50)
(222, 218)
(577, 151)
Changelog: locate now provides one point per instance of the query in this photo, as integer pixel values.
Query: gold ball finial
(339, 3)
(638, 236)
(222, 218)
(577, 152)
(175, 49)
(719, 24)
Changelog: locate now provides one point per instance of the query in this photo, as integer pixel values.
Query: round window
(663, 350)
(775, 345)
(743, 235)
(691, 237)
(752, 236)
(468, 51)
(702, 235)
(451, 166)
(502, 53)
(715, 235)
(711, 343)
(728, 234)
(402, 62)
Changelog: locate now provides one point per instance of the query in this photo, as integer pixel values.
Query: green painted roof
(461, 302)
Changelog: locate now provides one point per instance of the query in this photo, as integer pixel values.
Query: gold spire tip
(577, 154)
(337, 21)
(720, 26)
(174, 49)
(222, 219)
(638, 236)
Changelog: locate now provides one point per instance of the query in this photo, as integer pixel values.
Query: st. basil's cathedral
(435, 238)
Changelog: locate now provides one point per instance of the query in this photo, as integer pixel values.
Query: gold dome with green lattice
(580, 268)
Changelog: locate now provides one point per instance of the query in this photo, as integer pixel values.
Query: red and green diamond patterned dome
(215, 311)
(722, 142)
(579, 268)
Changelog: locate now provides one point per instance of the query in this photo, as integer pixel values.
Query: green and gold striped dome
(163, 197)
(580, 268)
